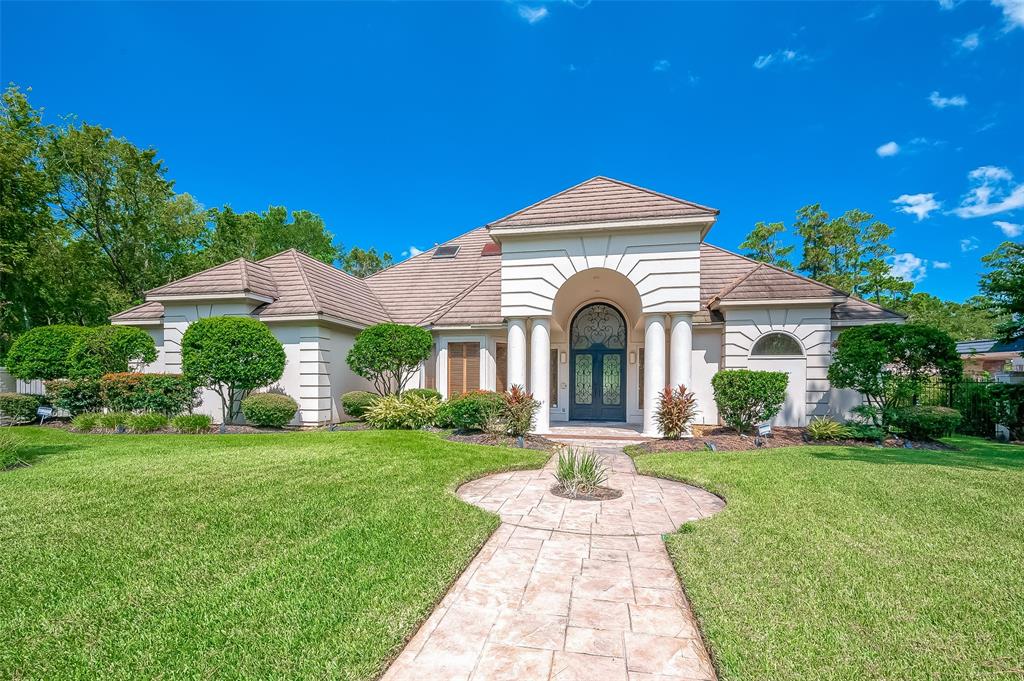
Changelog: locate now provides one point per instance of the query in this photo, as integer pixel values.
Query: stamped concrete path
(568, 589)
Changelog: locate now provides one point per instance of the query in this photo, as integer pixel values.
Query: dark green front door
(597, 365)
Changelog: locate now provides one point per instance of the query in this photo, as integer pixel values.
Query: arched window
(777, 345)
(598, 325)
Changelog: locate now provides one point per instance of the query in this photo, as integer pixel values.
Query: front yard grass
(260, 556)
(857, 563)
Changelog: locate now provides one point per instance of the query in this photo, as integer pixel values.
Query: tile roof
(602, 199)
(236, 276)
(149, 311)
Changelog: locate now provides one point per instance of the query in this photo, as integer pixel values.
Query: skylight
(445, 251)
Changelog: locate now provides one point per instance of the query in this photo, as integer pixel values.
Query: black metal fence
(969, 396)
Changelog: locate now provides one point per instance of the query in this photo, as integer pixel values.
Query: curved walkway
(568, 589)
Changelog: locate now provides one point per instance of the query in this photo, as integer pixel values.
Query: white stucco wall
(707, 357)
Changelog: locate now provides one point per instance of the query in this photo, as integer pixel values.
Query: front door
(597, 343)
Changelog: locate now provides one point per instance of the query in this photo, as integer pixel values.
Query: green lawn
(290, 556)
(858, 563)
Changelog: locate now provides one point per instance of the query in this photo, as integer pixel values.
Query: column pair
(540, 363)
(654, 361)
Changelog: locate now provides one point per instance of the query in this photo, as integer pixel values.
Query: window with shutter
(463, 368)
(430, 369)
(501, 367)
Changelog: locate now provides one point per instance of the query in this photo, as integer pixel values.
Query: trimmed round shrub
(356, 403)
(43, 352)
(388, 354)
(192, 423)
(429, 393)
(166, 394)
(470, 411)
(84, 423)
(147, 423)
(927, 422)
(746, 397)
(110, 349)
(273, 410)
(20, 407)
(402, 412)
(112, 419)
(75, 396)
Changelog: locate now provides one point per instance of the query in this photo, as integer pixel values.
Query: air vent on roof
(491, 249)
(446, 251)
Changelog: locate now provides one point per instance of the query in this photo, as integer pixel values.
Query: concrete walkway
(568, 590)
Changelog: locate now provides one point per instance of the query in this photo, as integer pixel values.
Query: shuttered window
(430, 369)
(640, 369)
(463, 368)
(501, 367)
(553, 379)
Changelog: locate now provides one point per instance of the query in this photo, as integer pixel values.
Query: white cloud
(940, 265)
(1009, 229)
(969, 244)
(908, 266)
(873, 14)
(1013, 13)
(781, 57)
(532, 14)
(662, 65)
(412, 251)
(888, 149)
(940, 102)
(993, 191)
(969, 42)
(919, 205)
(947, 4)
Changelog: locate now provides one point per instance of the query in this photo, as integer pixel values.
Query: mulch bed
(726, 440)
(529, 442)
(600, 494)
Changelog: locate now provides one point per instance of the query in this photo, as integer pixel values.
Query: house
(991, 357)
(594, 298)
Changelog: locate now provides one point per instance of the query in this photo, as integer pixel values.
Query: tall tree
(763, 243)
(973, 319)
(1004, 283)
(813, 225)
(360, 263)
(260, 235)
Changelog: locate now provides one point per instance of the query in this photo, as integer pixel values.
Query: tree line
(850, 252)
(90, 221)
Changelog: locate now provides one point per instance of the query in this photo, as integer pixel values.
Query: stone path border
(568, 590)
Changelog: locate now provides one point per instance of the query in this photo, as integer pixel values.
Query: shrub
(746, 397)
(470, 411)
(1007, 402)
(927, 422)
(167, 394)
(146, 423)
(824, 428)
(356, 403)
(389, 354)
(232, 356)
(865, 432)
(394, 412)
(110, 349)
(890, 363)
(192, 423)
(43, 352)
(75, 396)
(579, 471)
(676, 410)
(519, 412)
(272, 410)
(86, 422)
(424, 392)
(20, 407)
(112, 419)
(10, 447)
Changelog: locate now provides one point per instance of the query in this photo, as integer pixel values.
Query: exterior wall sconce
(563, 358)
(632, 356)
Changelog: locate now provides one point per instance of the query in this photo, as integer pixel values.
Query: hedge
(168, 394)
(20, 407)
(42, 352)
(75, 396)
(269, 409)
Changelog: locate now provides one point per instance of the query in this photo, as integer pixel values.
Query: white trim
(320, 317)
(138, 322)
(777, 302)
(660, 223)
(188, 297)
(866, 322)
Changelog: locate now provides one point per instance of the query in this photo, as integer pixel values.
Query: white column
(516, 352)
(540, 370)
(681, 349)
(654, 369)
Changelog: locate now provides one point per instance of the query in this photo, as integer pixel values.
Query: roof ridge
(736, 282)
(305, 281)
(245, 275)
(656, 193)
(455, 300)
(192, 276)
(780, 269)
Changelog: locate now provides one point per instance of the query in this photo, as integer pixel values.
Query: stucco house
(594, 298)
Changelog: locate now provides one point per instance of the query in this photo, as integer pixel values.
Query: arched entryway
(597, 364)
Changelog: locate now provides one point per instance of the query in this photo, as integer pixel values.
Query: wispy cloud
(662, 65)
(969, 244)
(940, 102)
(1013, 13)
(1009, 229)
(969, 42)
(918, 205)
(780, 57)
(888, 149)
(908, 266)
(532, 14)
(940, 265)
(993, 191)
(947, 4)
(412, 252)
(873, 14)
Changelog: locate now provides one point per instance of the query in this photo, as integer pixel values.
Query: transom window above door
(599, 326)
(777, 345)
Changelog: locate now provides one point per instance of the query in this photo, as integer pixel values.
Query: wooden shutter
(553, 379)
(463, 367)
(430, 369)
(501, 367)
(640, 369)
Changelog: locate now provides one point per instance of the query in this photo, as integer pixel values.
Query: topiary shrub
(470, 411)
(424, 392)
(146, 423)
(166, 394)
(519, 412)
(84, 423)
(389, 354)
(746, 397)
(111, 420)
(74, 396)
(356, 403)
(110, 349)
(42, 352)
(20, 407)
(232, 356)
(402, 412)
(272, 410)
(676, 410)
(926, 422)
(824, 428)
(192, 423)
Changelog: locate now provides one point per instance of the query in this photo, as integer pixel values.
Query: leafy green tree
(232, 356)
(975, 318)
(43, 352)
(389, 354)
(360, 263)
(813, 226)
(108, 350)
(1004, 283)
(763, 244)
(256, 236)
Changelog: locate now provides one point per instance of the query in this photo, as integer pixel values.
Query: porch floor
(605, 432)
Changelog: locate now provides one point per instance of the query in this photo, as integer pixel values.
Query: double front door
(597, 366)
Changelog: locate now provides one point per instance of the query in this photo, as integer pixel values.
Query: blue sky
(407, 124)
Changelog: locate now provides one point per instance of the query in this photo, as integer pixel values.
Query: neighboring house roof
(980, 347)
(236, 276)
(602, 199)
